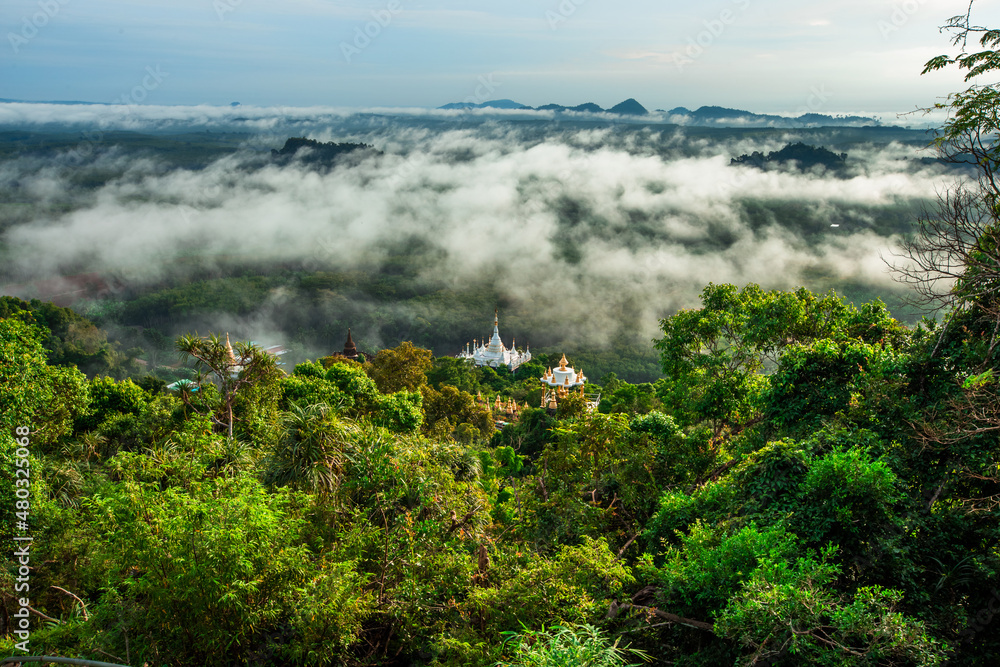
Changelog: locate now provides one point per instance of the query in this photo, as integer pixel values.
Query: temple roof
(350, 349)
(564, 376)
(492, 352)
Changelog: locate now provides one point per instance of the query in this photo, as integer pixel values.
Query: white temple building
(556, 385)
(493, 353)
(564, 376)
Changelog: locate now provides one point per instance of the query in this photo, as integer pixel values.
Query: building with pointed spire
(350, 352)
(557, 385)
(504, 411)
(493, 353)
(350, 349)
(231, 362)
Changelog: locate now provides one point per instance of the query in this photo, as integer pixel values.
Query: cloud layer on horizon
(579, 227)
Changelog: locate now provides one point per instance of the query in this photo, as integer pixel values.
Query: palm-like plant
(310, 455)
(65, 481)
(569, 646)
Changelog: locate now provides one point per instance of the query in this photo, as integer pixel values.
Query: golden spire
(563, 362)
(231, 357)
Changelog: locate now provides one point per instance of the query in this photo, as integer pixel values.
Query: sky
(762, 55)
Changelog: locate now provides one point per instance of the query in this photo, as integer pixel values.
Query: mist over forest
(255, 408)
(585, 233)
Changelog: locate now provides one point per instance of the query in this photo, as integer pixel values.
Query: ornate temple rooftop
(493, 353)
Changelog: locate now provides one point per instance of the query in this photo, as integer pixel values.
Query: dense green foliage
(779, 497)
(72, 339)
(811, 482)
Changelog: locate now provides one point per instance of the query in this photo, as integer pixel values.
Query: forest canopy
(809, 482)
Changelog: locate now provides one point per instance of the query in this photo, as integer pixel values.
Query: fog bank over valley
(586, 234)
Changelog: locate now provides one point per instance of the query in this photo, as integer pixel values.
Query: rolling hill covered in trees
(810, 481)
(803, 480)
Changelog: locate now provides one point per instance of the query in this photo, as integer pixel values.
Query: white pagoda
(557, 384)
(493, 353)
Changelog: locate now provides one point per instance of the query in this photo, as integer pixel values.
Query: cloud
(570, 224)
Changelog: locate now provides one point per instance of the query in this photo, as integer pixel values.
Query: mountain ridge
(704, 116)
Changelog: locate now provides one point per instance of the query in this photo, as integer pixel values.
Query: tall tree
(234, 368)
(402, 367)
(953, 261)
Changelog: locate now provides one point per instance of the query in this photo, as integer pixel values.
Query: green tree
(631, 399)
(310, 455)
(109, 398)
(47, 399)
(224, 552)
(70, 339)
(401, 367)
(458, 373)
(448, 409)
(953, 260)
(825, 378)
(234, 368)
(713, 356)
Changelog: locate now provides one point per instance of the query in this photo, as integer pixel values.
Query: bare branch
(83, 606)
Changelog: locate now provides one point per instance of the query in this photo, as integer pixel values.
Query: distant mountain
(823, 119)
(723, 117)
(706, 116)
(492, 104)
(804, 155)
(7, 101)
(588, 107)
(629, 108)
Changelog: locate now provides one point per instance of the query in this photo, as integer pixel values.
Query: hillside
(373, 513)
(802, 155)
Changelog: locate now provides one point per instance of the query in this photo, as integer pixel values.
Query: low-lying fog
(579, 224)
